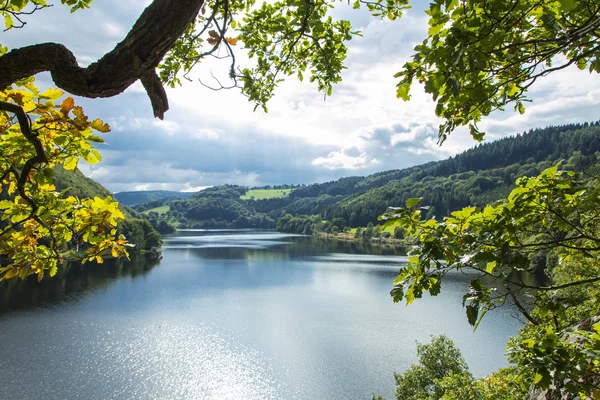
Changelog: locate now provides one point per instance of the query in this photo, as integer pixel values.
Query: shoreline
(349, 237)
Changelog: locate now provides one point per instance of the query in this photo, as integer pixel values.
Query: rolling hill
(137, 230)
(477, 176)
(148, 196)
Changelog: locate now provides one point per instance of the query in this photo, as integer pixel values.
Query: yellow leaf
(17, 97)
(8, 22)
(78, 111)
(52, 94)
(29, 106)
(232, 41)
(12, 187)
(93, 157)
(71, 164)
(96, 154)
(100, 126)
(67, 105)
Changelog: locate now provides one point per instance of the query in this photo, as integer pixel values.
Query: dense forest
(478, 176)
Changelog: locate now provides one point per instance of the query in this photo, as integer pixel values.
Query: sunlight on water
(167, 360)
(231, 315)
(191, 362)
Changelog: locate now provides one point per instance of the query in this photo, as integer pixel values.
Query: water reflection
(225, 244)
(231, 315)
(358, 247)
(72, 281)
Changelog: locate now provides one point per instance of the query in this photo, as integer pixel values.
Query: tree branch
(136, 57)
(520, 306)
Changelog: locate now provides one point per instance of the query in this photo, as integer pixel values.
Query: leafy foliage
(39, 226)
(437, 360)
(477, 176)
(283, 38)
(442, 374)
(14, 11)
(554, 213)
(479, 55)
(482, 55)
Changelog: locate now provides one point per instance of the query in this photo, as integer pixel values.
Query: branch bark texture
(136, 57)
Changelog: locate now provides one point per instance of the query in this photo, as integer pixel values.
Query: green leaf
(8, 22)
(410, 203)
(95, 139)
(568, 5)
(472, 314)
(403, 91)
(434, 30)
(397, 293)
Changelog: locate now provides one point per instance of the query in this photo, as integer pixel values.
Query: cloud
(142, 152)
(210, 138)
(392, 146)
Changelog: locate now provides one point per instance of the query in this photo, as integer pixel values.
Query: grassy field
(159, 210)
(261, 194)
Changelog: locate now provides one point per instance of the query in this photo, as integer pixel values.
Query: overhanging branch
(136, 57)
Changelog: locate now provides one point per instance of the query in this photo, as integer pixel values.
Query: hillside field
(263, 194)
(159, 210)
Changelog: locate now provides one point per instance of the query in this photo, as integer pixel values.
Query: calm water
(230, 315)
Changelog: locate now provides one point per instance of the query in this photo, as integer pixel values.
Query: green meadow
(159, 210)
(261, 194)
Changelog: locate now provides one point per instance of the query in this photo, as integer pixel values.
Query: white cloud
(209, 138)
(170, 127)
(339, 160)
(193, 189)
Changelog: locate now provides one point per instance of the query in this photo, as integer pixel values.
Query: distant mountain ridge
(477, 176)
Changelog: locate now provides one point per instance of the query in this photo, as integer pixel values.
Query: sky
(215, 137)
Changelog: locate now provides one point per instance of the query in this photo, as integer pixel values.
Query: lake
(232, 315)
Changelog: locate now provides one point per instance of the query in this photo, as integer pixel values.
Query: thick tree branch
(136, 57)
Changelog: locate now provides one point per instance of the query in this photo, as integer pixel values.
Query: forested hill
(477, 176)
(137, 230)
(552, 143)
(147, 196)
